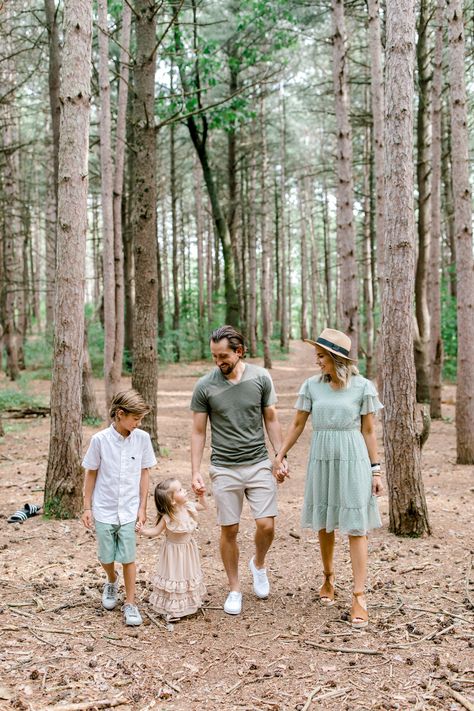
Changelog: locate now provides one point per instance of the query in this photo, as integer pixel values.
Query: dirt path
(59, 648)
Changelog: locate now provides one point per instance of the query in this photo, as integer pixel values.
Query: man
(237, 398)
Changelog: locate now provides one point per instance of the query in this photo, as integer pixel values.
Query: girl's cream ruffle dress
(178, 586)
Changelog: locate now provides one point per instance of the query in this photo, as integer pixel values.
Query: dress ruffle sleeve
(192, 510)
(370, 400)
(304, 401)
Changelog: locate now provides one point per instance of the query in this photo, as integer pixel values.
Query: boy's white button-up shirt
(119, 462)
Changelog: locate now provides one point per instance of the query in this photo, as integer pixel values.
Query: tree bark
(174, 244)
(304, 264)
(423, 174)
(407, 506)
(434, 285)
(118, 183)
(345, 189)
(111, 372)
(367, 268)
(252, 246)
(463, 233)
(265, 245)
(284, 328)
(377, 106)
(88, 399)
(145, 361)
(51, 220)
(63, 486)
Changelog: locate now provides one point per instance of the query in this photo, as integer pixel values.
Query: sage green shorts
(115, 542)
(254, 482)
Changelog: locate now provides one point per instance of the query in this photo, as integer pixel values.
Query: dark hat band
(333, 346)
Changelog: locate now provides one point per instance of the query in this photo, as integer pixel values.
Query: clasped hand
(280, 469)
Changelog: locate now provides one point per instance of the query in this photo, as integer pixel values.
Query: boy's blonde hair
(130, 402)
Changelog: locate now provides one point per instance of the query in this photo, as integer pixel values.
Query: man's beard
(228, 368)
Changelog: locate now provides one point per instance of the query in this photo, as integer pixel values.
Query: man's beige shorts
(230, 484)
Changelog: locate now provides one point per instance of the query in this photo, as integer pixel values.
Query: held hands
(280, 469)
(141, 520)
(198, 485)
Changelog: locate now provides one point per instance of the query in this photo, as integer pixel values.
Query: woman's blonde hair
(164, 499)
(344, 368)
(130, 401)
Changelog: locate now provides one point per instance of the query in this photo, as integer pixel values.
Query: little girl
(178, 586)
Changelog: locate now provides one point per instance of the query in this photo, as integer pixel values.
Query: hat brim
(330, 350)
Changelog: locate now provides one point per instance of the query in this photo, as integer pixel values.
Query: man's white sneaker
(261, 586)
(233, 603)
(110, 594)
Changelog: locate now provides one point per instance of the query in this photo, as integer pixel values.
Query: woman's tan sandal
(326, 593)
(359, 614)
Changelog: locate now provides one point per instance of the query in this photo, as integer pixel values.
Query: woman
(343, 476)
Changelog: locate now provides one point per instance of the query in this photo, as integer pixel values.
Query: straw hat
(335, 342)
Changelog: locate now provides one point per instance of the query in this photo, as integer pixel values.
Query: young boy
(115, 495)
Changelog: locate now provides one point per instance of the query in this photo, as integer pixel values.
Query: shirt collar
(117, 436)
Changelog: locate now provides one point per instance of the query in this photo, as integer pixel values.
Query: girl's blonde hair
(344, 370)
(164, 499)
(131, 402)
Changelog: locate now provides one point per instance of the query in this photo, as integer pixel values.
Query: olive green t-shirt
(235, 412)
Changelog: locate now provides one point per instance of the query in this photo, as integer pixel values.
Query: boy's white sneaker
(131, 615)
(110, 594)
(233, 603)
(261, 586)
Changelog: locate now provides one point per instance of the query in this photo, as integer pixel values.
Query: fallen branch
(83, 706)
(347, 650)
(20, 412)
(460, 698)
(311, 696)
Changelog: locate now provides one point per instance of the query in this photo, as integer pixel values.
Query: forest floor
(60, 650)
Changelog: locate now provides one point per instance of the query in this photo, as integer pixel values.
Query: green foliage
(39, 355)
(53, 509)
(10, 399)
(92, 421)
(449, 332)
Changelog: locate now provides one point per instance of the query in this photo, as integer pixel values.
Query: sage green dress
(338, 489)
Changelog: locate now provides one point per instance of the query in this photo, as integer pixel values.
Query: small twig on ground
(440, 612)
(311, 696)
(156, 622)
(468, 577)
(341, 649)
(83, 706)
(460, 698)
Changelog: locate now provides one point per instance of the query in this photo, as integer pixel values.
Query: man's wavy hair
(234, 337)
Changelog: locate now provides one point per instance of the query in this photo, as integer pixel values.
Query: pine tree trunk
(407, 506)
(434, 285)
(145, 361)
(304, 264)
(88, 399)
(200, 258)
(111, 376)
(463, 232)
(265, 245)
(51, 220)
(314, 271)
(345, 189)
(252, 321)
(174, 244)
(367, 268)
(118, 183)
(423, 174)
(10, 184)
(284, 328)
(377, 106)
(63, 486)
